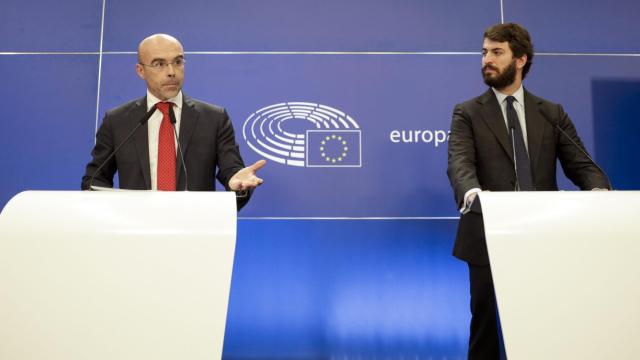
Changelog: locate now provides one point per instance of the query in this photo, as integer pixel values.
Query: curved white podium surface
(566, 269)
(115, 275)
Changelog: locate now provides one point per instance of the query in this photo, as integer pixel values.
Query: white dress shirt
(518, 105)
(153, 127)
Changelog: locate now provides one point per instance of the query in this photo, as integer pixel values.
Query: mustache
(489, 67)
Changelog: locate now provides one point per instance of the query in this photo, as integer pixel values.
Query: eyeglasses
(163, 65)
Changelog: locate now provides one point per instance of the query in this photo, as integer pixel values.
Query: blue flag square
(334, 148)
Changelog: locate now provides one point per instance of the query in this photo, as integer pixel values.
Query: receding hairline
(156, 37)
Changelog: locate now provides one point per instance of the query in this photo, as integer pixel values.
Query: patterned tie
(166, 151)
(525, 180)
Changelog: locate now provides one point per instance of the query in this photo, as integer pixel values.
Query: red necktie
(166, 151)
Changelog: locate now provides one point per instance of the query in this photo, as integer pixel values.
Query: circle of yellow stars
(342, 153)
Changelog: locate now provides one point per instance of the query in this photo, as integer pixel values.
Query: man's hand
(246, 178)
(470, 199)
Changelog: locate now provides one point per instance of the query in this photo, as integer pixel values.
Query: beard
(501, 79)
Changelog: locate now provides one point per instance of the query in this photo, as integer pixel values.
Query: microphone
(556, 125)
(511, 123)
(172, 118)
(115, 151)
(512, 131)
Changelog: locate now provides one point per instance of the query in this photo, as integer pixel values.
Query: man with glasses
(151, 158)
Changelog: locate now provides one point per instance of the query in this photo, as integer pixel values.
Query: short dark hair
(518, 39)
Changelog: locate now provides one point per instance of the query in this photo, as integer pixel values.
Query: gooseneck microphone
(172, 118)
(512, 131)
(115, 151)
(556, 124)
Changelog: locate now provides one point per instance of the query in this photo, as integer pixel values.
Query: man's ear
(521, 61)
(140, 71)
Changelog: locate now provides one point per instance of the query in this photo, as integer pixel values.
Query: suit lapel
(188, 122)
(141, 140)
(492, 116)
(535, 127)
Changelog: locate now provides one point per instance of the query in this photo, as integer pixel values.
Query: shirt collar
(519, 95)
(152, 100)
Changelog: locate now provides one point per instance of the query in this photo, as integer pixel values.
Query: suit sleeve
(229, 159)
(578, 168)
(104, 146)
(462, 155)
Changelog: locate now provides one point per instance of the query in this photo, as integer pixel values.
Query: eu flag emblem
(333, 148)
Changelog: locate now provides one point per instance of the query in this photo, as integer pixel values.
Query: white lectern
(115, 275)
(566, 269)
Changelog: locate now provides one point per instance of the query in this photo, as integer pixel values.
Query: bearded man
(505, 140)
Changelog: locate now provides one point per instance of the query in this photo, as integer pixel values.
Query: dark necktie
(523, 167)
(166, 175)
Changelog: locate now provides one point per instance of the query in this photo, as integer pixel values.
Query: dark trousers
(485, 338)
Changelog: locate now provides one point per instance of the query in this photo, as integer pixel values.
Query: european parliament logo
(304, 134)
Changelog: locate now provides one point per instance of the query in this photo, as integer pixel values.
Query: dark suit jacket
(481, 156)
(206, 137)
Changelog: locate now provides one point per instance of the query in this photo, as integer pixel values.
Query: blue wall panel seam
(100, 53)
(50, 53)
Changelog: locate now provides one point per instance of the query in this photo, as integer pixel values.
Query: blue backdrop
(332, 262)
